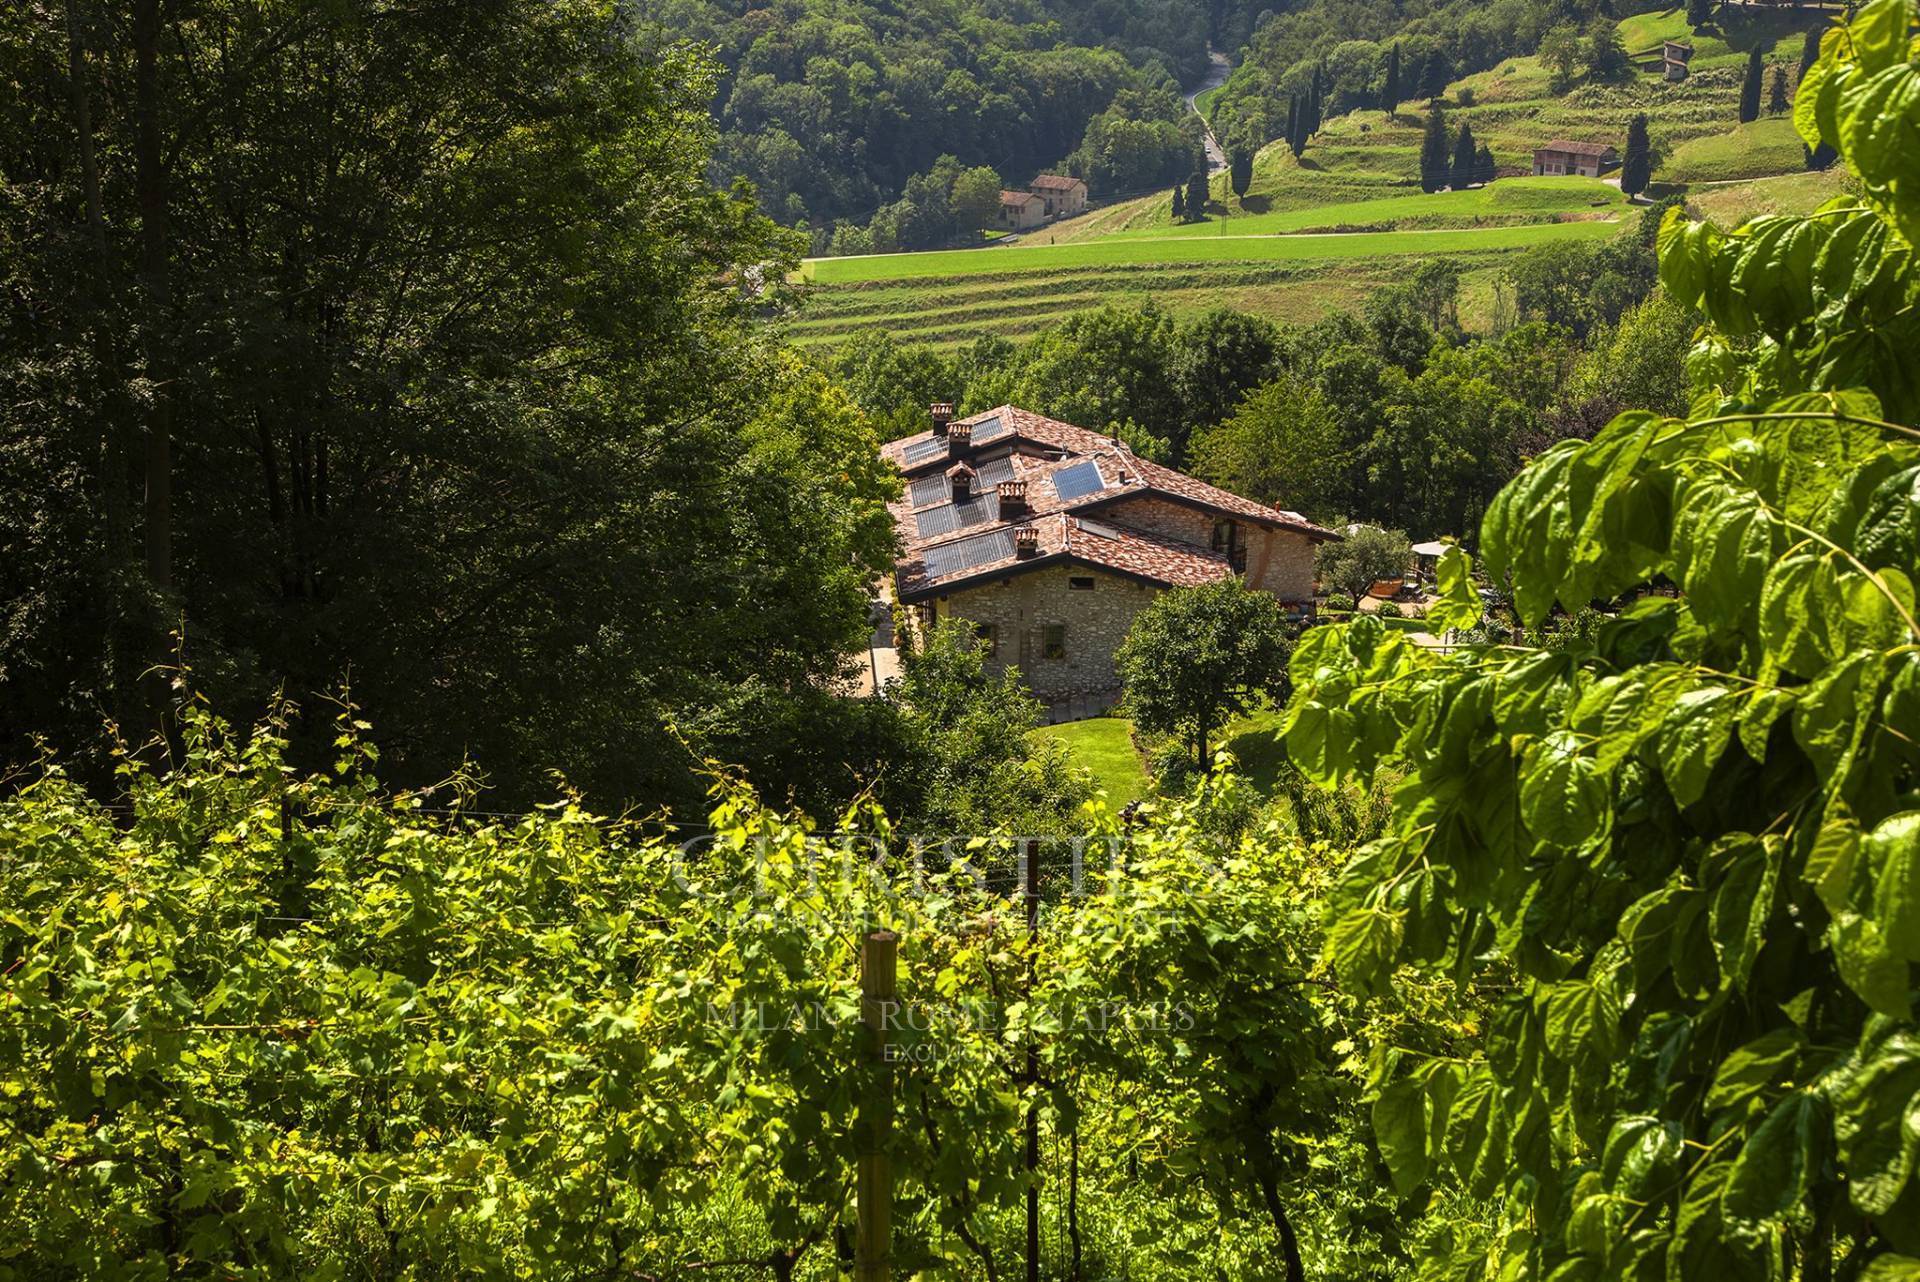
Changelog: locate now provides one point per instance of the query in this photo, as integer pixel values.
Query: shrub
(1465, 96)
(1388, 610)
(1340, 603)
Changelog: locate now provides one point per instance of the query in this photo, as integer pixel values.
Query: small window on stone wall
(1081, 583)
(989, 639)
(1053, 641)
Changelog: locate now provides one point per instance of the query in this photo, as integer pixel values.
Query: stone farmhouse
(1064, 197)
(1049, 538)
(1562, 157)
(1020, 210)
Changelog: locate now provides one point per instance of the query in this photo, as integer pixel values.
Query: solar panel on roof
(928, 489)
(1080, 479)
(964, 554)
(948, 517)
(996, 471)
(990, 429)
(932, 447)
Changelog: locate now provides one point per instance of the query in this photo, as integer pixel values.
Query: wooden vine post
(873, 1246)
(1031, 877)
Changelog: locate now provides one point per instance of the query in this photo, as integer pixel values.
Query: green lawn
(1511, 200)
(1767, 146)
(1255, 743)
(1104, 746)
(1197, 249)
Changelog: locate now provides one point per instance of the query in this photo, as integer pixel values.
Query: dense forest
(439, 837)
(830, 110)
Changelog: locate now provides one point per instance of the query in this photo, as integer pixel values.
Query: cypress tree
(1240, 170)
(1390, 96)
(1750, 87)
(1179, 203)
(1433, 79)
(1463, 156)
(1197, 195)
(1777, 94)
(1635, 162)
(1433, 153)
(1483, 167)
(1313, 107)
(1293, 123)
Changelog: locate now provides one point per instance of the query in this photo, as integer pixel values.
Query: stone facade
(1276, 561)
(1019, 611)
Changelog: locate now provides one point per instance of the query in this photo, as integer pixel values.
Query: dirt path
(1216, 75)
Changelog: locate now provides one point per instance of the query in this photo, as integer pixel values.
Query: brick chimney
(960, 479)
(1026, 542)
(959, 438)
(941, 413)
(1013, 498)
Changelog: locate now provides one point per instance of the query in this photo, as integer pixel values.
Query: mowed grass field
(1121, 251)
(952, 297)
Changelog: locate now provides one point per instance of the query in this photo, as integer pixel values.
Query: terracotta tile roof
(1577, 148)
(1071, 475)
(1020, 198)
(1055, 182)
(1143, 554)
(1061, 539)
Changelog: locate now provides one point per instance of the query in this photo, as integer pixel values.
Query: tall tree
(1179, 202)
(1777, 101)
(1390, 95)
(1460, 177)
(1699, 13)
(1750, 86)
(371, 419)
(1636, 160)
(1240, 169)
(1293, 122)
(1434, 152)
(1434, 76)
(1197, 194)
(1484, 169)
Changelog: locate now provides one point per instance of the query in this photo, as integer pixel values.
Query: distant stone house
(1064, 196)
(1675, 57)
(1020, 210)
(1049, 539)
(1587, 158)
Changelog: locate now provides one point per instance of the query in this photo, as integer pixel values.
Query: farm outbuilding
(1590, 159)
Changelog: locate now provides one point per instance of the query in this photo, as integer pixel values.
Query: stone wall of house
(1278, 561)
(1020, 608)
(1172, 520)
(1281, 562)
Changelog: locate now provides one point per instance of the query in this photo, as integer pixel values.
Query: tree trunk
(1270, 1194)
(150, 183)
(1073, 1198)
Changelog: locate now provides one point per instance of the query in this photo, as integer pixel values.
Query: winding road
(1217, 72)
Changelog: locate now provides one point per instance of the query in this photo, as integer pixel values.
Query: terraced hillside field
(951, 297)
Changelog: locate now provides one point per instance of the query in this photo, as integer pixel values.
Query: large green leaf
(1876, 1105)
(1780, 1161)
